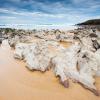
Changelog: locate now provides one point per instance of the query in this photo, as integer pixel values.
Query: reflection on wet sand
(18, 83)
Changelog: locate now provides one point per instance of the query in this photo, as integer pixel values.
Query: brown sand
(18, 83)
(65, 44)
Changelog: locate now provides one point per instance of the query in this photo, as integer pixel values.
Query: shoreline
(38, 27)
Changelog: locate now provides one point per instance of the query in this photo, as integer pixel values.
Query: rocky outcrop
(91, 22)
(65, 64)
(37, 55)
(79, 62)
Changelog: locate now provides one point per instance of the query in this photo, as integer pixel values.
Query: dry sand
(18, 83)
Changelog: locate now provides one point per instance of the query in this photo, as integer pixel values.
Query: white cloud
(39, 17)
(52, 13)
(7, 17)
(3, 10)
(32, 14)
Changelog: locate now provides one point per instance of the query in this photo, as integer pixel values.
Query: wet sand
(18, 83)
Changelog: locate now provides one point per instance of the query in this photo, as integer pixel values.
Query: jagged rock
(17, 39)
(96, 45)
(87, 44)
(65, 37)
(36, 55)
(40, 34)
(20, 48)
(97, 57)
(87, 68)
(78, 62)
(93, 35)
(12, 41)
(65, 83)
(66, 67)
(65, 63)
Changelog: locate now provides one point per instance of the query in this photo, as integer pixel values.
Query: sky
(62, 12)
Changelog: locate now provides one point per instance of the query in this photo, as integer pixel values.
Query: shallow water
(18, 83)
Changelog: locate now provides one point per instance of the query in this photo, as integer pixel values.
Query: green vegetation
(91, 22)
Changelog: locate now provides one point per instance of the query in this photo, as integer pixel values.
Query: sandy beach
(18, 83)
(49, 50)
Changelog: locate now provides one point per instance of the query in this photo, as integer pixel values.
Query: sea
(40, 26)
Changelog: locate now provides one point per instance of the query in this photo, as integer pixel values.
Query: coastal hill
(91, 22)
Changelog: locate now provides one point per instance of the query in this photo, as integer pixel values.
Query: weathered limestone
(20, 48)
(87, 44)
(13, 41)
(65, 37)
(79, 62)
(87, 68)
(97, 57)
(36, 55)
(66, 63)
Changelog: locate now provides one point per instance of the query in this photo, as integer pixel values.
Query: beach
(18, 83)
(49, 50)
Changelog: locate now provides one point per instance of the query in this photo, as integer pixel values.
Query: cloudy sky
(48, 11)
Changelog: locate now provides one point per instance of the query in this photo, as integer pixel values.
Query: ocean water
(31, 26)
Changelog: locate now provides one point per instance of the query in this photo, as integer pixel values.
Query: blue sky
(48, 11)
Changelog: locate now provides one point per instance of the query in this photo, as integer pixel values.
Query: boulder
(36, 55)
(87, 68)
(65, 63)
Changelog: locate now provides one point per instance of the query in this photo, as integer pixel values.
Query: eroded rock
(79, 62)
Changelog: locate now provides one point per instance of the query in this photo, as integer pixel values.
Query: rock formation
(41, 51)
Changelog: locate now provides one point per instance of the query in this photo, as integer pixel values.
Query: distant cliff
(91, 22)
